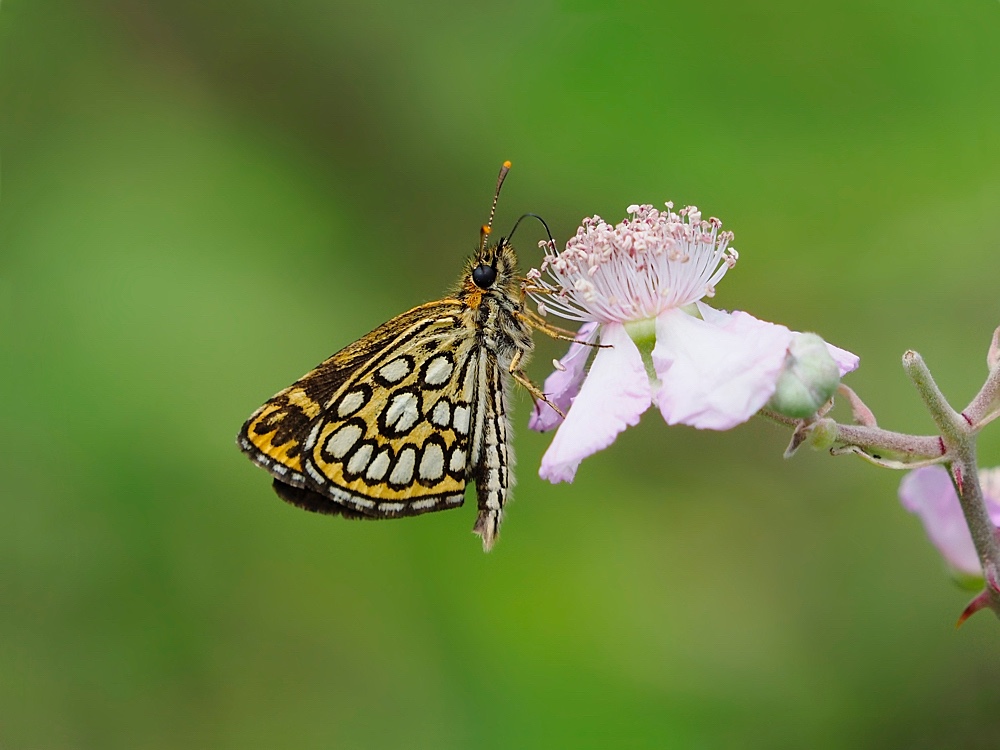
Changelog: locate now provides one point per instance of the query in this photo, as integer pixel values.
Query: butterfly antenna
(484, 233)
(533, 216)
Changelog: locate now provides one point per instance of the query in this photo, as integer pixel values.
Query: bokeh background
(201, 200)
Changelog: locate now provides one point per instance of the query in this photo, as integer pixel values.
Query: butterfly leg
(535, 320)
(525, 382)
(539, 323)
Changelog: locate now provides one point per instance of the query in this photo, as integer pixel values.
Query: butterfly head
(492, 270)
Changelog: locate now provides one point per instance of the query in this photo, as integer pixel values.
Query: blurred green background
(201, 200)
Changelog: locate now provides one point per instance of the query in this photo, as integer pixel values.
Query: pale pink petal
(613, 397)
(716, 373)
(989, 480)
(929, 493)
(562, 386)
(711, 315)
(846, 361)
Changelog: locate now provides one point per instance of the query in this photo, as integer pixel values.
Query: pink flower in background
(637, 288)
(929, 493)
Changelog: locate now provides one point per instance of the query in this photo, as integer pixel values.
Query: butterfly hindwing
(380, 429)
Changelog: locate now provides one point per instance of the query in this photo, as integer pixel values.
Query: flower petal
(846, 361)
(613, 396)
(562, 386)
(929, 493)
(718, 372)
(989, 480)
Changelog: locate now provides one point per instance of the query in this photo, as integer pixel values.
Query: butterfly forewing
(382, 428)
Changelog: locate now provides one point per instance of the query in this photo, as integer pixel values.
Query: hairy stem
(955, 447)
(958, 434)
(878, 442)
(984, 407)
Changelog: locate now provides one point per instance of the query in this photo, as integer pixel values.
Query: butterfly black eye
(483, 276)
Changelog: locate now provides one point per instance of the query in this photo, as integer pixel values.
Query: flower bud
(823, 434)
(808, 379)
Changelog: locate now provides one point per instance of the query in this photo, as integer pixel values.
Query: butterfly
(397, 423)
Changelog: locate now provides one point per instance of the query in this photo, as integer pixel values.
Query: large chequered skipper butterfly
(398, 422)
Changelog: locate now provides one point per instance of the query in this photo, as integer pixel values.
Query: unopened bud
(808, 379)
(823, 434)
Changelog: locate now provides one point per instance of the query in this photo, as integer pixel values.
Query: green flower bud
(808, 380)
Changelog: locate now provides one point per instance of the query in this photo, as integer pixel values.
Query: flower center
(651, 262)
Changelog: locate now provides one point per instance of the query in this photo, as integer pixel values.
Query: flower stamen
(651, 262)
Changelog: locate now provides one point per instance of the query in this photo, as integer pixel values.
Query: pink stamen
(653, 261)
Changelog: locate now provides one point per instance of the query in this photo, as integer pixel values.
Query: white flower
(637, 288)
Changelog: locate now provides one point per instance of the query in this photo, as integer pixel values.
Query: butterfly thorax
(496, 312)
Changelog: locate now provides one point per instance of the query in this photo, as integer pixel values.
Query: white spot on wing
(461, 419)
(314, 473)
(363, 502)
(432, 462)
(430, 502)
(350, 403)
(395, 370)
(471, 373)
(340, 442)
(402, 472)
(438, 370)
(313, 435)
(457, 462)
(441, 414)
(378, 467)
(402, 413)
(360, 459)
(390, 507)
(347, 498)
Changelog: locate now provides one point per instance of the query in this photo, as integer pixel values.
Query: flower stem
(908, 450)
(958, 434)
(985, 407)
(953, 426)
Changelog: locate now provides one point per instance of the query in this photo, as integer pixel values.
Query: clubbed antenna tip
(488, 226)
